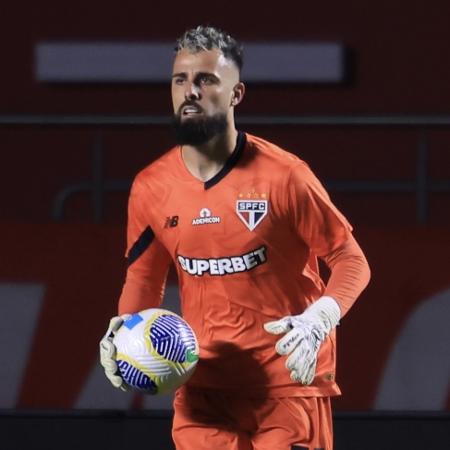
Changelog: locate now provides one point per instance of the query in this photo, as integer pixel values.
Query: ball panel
(135, 377)
(157, 351)
(171, 337)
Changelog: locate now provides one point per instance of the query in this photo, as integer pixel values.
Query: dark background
(398, 65)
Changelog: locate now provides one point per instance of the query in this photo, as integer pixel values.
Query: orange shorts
(206, 420)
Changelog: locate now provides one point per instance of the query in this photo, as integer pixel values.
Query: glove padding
(108, 353)
(305, 333)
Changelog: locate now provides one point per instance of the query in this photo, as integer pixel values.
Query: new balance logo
(171, 222)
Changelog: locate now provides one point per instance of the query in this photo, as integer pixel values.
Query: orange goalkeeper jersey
(244, 245)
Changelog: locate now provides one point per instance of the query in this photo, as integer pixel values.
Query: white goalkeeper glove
(305, 333)
(108, 353)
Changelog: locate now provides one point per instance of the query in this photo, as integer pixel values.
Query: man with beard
(244, 222)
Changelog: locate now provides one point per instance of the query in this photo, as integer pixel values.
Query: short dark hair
(208, 38)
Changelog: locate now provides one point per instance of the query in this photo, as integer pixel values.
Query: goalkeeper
(244, 222)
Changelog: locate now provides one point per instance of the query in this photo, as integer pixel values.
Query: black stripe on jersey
(231, 161)
(298, 447)
(139, 247)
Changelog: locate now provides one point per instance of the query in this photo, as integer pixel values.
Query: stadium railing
(421, 186)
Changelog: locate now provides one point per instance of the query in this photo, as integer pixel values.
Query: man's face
(205, 89)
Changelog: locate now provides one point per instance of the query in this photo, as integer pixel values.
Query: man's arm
(147, 259)
(305, 332)
(350, 274)
(145, 280)
(147, 267)
(328, 235)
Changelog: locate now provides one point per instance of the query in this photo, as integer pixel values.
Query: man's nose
(192, 92)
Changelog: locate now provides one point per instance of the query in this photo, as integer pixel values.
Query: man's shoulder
(272, 154)
(162, 165)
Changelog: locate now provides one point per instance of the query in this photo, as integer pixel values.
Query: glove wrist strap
(325, 313)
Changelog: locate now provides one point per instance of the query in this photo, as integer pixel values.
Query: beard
(198, 131)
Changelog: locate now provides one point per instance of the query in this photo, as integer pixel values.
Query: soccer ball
(157, 351)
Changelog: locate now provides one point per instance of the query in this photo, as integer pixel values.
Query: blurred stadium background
(357, 89)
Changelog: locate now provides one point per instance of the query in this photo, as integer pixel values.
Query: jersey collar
(231, 161)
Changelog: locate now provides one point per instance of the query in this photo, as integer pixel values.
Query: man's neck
(205, 161)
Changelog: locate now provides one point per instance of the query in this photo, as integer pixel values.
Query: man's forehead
(201, 61)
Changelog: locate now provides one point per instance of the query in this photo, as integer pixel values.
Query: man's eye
(206, 79)
(178, 80)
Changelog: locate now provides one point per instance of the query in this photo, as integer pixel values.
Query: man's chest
(218, 222)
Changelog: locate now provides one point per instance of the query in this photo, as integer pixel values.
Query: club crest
(252, 212)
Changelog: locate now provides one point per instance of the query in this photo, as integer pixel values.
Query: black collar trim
(231, 161)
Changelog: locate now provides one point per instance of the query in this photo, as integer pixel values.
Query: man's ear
(238, 94)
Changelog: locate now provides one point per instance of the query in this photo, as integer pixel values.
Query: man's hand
(108, 353)
(305, 333)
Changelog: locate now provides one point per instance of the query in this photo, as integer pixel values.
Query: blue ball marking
(135, 378)
(171, 337)
(133, 321)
